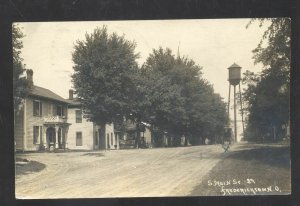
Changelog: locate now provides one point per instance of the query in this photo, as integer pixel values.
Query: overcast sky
(213, 44)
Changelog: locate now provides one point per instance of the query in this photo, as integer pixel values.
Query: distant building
(130, 132)
(147, 135)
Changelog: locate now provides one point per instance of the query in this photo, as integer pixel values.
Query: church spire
(178, 54)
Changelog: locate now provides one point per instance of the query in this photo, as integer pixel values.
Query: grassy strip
(252, 170)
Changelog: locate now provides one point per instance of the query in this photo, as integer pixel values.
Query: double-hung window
(37, 108)
(37, 134)
(59, 110)
(78, 116)
(78, 138)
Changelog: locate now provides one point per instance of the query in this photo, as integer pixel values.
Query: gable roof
(46, 93)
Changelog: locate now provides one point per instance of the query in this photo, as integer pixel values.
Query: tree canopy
(166, 91)
(187, 104)
(267, 94)
(21, 86)
(103, 75)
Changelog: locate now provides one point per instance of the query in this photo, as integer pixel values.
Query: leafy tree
(104, 70)
(277, 37)
(21, 86)
(267, 94)
(182, 102)
(167, 92)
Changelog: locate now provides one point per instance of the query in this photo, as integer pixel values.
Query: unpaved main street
(122, 173)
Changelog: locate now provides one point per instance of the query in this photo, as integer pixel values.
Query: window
(37, 108)
(59, 110)
(35, 134)
(78, 116)
(78, 138)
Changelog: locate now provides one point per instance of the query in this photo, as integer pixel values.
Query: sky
(214, 44)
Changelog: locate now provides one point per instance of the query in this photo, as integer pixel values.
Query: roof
(74, 102)
(46, 93)
(234, 66)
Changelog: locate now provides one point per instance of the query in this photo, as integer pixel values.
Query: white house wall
(19, 129)
(48, 109)
(111, 139)
(25, 121)
(87, 129)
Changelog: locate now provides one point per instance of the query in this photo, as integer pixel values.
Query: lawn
(259, 170)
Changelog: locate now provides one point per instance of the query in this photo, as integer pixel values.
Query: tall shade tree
(21, 86)
(103, 78)
(182, 102)
(267, 94)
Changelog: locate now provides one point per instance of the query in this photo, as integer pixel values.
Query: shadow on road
(93, 154)
(24, 167)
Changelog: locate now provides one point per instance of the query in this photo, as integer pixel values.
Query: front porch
(55, 133)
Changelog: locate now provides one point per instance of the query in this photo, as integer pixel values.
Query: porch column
(66, 137)
(45, 136)
(118, 141)
(56, 136)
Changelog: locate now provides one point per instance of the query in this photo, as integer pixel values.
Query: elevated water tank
(234, 74)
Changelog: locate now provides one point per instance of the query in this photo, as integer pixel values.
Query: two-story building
(46, 121)
(41, 122)
(84, 134)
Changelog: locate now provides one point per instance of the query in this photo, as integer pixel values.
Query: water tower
(234, 80)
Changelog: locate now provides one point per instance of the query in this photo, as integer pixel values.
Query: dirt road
(122, 173)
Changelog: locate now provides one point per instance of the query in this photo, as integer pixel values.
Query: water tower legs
(234, 108)
(228, 107)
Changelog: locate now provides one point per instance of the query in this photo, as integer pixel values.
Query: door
(51, 137)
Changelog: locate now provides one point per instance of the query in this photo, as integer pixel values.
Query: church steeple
(178, 54)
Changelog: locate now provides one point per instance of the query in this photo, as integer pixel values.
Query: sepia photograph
(152, 108)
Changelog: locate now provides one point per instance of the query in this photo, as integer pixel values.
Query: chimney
(29, 73)
(71, 94)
